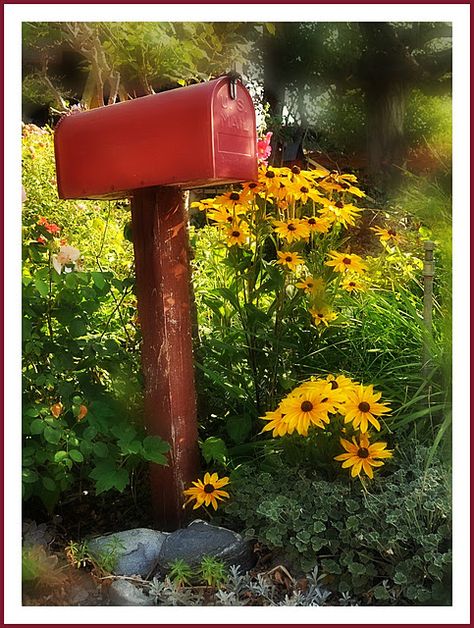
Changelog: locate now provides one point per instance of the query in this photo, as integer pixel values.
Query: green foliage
(180, 573)
(212, 571)
(396, 531)
(82, 416)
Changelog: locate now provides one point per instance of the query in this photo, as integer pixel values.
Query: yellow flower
(352, 283)
(311, 285)
(321, 225)
(221, 215)
(361, 408)
(343, 262)
(292, 230)
(304, 408)
(205, 203)
(332, 397)
(276, 422)
(237, 234)
(289, 259)
(362, 456)
(270, 179)
(341, 183)
(303, 192)
(338, 213)
(322, 315)
(231, 199)
(387, 235)
(207, 491)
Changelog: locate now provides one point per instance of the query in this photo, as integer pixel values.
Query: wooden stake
(428, 274)
(159, 229)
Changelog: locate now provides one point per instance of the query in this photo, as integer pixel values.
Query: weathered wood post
(150, 149)
(428, 274)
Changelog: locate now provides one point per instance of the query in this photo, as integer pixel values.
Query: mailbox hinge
(233, 78)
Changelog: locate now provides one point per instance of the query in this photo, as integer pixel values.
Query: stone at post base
(201, 539)
(125, 593)
(136, 550)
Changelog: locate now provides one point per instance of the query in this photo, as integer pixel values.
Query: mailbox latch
(233, 78)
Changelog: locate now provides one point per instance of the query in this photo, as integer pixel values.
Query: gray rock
(136, 551)
(125, 593)
(202, 539)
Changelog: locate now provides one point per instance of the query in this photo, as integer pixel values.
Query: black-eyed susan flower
(231, 199)
(322, 315)
(270, 179)
(292, 230)
(339, 213)
(311, 285)
(289, 259)
(306, 407)
(277, 423)
(221, 215)
(362, 456)
(387, 235)
(353, 283)
(237, 234)
(304, 192)
(319, 225)
(204, 204)
(207, 491)
(343, 262)
(362, 408)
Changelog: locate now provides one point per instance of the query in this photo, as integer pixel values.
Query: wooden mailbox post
(150, 149)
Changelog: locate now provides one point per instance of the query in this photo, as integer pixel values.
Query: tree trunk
(386, 142)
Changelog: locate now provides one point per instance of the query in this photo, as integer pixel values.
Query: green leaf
(41, 286)
(238, 428)
(77, 328)
(270, 28)
(52, 435)
(76, 455)
(154, 449)
(49, 484)
(37, 426)
(214, 450)
(108, 476)
(59, 456)
(101, 450)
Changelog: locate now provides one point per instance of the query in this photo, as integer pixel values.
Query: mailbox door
(235, 134)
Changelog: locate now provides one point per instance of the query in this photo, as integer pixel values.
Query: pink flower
(263, 148)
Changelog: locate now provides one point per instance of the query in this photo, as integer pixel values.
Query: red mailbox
(187, 137)
(148, 149)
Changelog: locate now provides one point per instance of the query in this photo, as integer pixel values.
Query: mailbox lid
(172, 138)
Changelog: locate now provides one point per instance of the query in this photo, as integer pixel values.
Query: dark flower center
(334, 385)
(363, 452)
(339, 204)
(208, 488)
(295, 170)
(235, 234)
(364, 406)
(320, 315)
(252, 186)
(230, 219)
(234, 196)
(270, 174)
(288, 259)
(306, 406)
(352, 284)
(291, 227)
(392, 232)
(304, 189)
(311, 221)
(346, 260)
(282, 185)
(310, 284)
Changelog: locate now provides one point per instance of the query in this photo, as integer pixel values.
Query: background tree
(375, 65)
